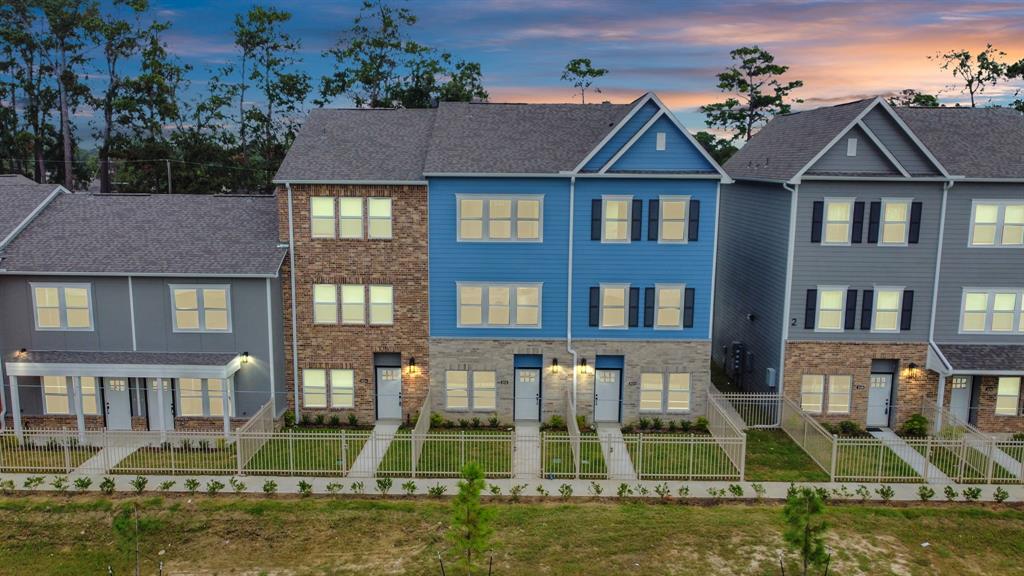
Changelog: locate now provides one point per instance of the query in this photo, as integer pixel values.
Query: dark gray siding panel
(899, 144)
(864, 266)
(751, 274)
(869, 158)
(967, 267)
(280, 368)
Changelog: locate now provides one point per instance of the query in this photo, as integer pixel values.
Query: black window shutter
(810, 308)
(857, 233)
(817, 215)
(688, 308)
(915, 222)
(908, 309)
(638, 215)
(693, 226)
(634, 307)
(865, 309)
(595, 219)
(595, 305)
(652, 220)
(851, 310)
(649, 304)
(873, 220)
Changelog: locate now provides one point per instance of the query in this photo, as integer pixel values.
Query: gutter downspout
(568, 321)
(295, 336)
(786, 306)
(3, 398)
(941, 389)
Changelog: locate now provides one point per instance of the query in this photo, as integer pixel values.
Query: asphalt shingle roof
(968, 357)
(19, 197)
(150, 234)
(971, 142)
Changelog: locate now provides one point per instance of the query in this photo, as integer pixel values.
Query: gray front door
(527, 394)
(960, 397)
(160, 399)
(389, 393)
(117, 403)
(607, 389)
(879, 397)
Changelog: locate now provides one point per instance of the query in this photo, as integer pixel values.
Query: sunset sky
(842, 50)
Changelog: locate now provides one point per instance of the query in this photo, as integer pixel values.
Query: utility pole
(167, 160)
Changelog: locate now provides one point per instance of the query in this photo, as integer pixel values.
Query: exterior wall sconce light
(583, 369)
(554, 366)
(22, 352)
(245, 357)
(412, 369)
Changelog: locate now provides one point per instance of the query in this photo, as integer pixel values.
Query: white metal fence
(726, 429)
(755, 410)
(251, 435)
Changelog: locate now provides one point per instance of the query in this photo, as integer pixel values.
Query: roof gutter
(291, 281)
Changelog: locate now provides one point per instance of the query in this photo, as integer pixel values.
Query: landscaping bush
(335, 421)
(463, 423)
(358, 487)
(213, 487)
(494, 489)
(334, 487)
(951, 493)
(683, 491)
(60, 484)
(305, 488)
(672, 426)
(436, 420)
(7, 486)
(1018, 437)
(476, 422)
(384, 485)
(595, 489)
(972, 494)
(33, 482)
(289, 419)
(353, 420)
(270, 487)
(885, 492)
(409, 488)
(1000, 495)
(850, 428)
(656, 424)
(701, 425)
(494, 421)
(624, 490)
(644, 423)
(760, 491)
(843, 493)
(237, 485)
(925, 493)
(556, 423)
(107, 485)
(628, 428)
(915, 427)
(736, 490)
(83, 483)
(642, 490)
(565, 491)
(191, 484)
(515, 491)
(437, 490)
(541, 491)
(139, 484)
(663, 491)
(685, 426)
(166, 485)
(581, 421)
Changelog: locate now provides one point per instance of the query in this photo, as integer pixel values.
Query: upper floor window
(992, 311)
(321, 214)
(895, 221)
(379, 218)
(613, 305)
(831, 306)
(203, 397)
(838, 220)
(995, 223)
(672, 218)
(355, 307)
(346, 218)
(887, 309)
(616, 216)
(382, 305)
(62, 306)
(500, 218)
(201, 308)
(501, 305)
(668, 306)
(350, 218)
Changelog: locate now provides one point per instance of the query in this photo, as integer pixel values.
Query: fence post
(462, 448)
(344, 453)
(238, 452)
(990, 467)
(804, 444)
(743, 457)
(640, 456)
(103, 450)
(543, 452)
(291, 451)
(835, 455)
(512, 454)
(67, 451)
(928, 458)
(414, 453)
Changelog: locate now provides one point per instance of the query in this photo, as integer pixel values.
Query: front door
(960, 397)
(527, 394)
(160, 399)
(117, 403)
(879, 397)
(607, 390)
(389, 393)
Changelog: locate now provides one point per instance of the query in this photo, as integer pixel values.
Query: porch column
(16, 408)
(226, 405)
(939, 402)
(159, 384)
(76, 387)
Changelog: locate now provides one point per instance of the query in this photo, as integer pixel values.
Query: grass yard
(970, 465)
(872, 462)
(557, 456)
(670, 456)
(156, 460)
(447, 452)
(324, 536)
(772, 456)
(43, 459)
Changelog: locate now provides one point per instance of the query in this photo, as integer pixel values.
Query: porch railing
(817, 442)
(726, 428)
(251, 436)
(419, 432)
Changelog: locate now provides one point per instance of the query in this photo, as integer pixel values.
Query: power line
(154, 160)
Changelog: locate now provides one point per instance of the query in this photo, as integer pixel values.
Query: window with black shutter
(874, 219)
(915, 222)
(850, 320)
(595, 219)
(857, 233)
(817, 220)
(693, 227)
(638, 218)
(908, 310)
(649, 306)
(688, 308)
(652, 220)
(865, 309)
(634, 307)
(810, 308)
(595, 305)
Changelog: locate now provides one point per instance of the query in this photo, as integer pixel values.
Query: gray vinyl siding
(864, 266)
(964, 266)
(869, 158)
(751, 274)
(895, 139)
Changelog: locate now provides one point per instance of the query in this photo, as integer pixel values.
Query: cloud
(192, 46)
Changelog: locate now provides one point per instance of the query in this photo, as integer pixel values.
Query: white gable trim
(913, 137)
(639, 133)
(686, 133)
(640, 104)
(885, 151)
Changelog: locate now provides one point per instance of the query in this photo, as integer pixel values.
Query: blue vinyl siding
(452, 261)
(679, 153)
(620, 138)
(645, 262)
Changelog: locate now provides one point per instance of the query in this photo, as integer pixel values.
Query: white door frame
(880, 411)
(117, 404)
(516, 397)
(597, 398)
(381, 414)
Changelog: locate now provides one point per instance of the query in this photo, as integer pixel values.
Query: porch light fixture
(554, 365)
(245, 357)
(22, 352)
(583, 366)
(412, 366)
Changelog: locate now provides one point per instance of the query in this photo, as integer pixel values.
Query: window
(679, 392)
(62, 306)
(895, 222)
(203, 308)
(831, 305)
(996, 223)
(665, 392)
(851, 147)
(613, 305)
(325, 304)
(838, 218)
(839, 390)
(484, 391)
(992, 311)
(812, 393)
(1008, 396)
(650, 392)
(672, 219)
(314, 388)
(343, 388)
(471, 390)
(659, 142)
(350, 218)
(321, 214)
(382, 308)
(215, 397)
(499, 305)
(615, 214)
(379, 218)
(668, 306)
(90, 398)
(56, 395)
(457, 389)
(190, 397)
(203, 397)
(500, 219)
(887, 309)
(353, 304)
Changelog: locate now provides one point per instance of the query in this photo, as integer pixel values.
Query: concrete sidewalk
(365, 465)
(616, 456)
(526, 459)
(912, 457)
(110, 457)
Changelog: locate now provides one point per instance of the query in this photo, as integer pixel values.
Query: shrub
(384, 485)
(863, 492)
(565, 491)
(436, 420)
(353, 420)
(33, 482)
(656, 424)
(335, 421)
(437, 490)
(850, 428)
(204, 445)
(830, 428)
(759, 490)
(319, 420)
(843, 493)
(644, 423)
(556, 422)
(107, 485)
(448, 424)
(289, 419)
(494, 489)
(823, 493)
(581, 421)
(701, 425)
(951, 493)
(516, 491)
(595, 489)
(306, 420)
(541, 491)
(237, 485)
(685, 425)
(191, 484)
(672, 426)
(736, 490)
(305, 488)
(60, 484)
(972, 494)
(186, 444)
(463, 423)
(470, 530)
(716, 493)
(493, 421)
(358, 487)
(409, 488)
(476, 422)
(662, 491)
(270, 487)
(7, 486)
(139, 484)
(166, 485)
(916, 427)
(683, 491)
(1000, 495)
(925, 493)
(885, 492)
(334, 487)
(642, 490)
(213, 487)
(624, 490)
(83, 483)
(1018, 437)
(628, 429)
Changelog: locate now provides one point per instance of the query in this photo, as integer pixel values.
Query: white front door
(117, 403)
(607, 387)
(389, 393)
(879, 395)
(527, 394)
(960, 397)
(160, 400)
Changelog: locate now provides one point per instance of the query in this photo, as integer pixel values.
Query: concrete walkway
(912, 457)
(616, 456)
(1007, 462)
(365, 465)
(526, 459)
(110, 456)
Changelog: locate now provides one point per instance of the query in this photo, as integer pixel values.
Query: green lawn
(966, 466)
(447, 452)
(1014, 450)
(873, 462)
(176, 460)
(347, 536)
(557, 457)
(772, 456)
(671, 456)
(42, 458)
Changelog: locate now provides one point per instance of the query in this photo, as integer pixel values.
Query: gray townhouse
(138, 312)
(871, 263)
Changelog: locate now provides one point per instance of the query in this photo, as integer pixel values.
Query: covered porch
(980, 385)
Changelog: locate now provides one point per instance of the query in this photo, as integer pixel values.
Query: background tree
(719, 148)
(581, 73)
(911, 97)
(805, 529)
(1016, 71)
(976, 72)
(757, 93)
(471, 530)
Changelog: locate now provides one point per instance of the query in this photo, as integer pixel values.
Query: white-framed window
(665, 392)
(895, 222)
(382, 305)
(350, 218)
(678, 394)
(201, 308)
(325, 304)
(659, 142)
(668, 306)
(673, 212)
(59, 395)
(839, 390)
(616, 213)
(886, 310)
(812, 393)
(456, 385)
(614, 304)
(343, 388)
(651, 392)
(474, 390)
(498, 305)
(851, 147)
(321, 217)
(62, 306)
(831, 309)
(314, 388)
(378, 214)
(992, 311)
(997, 223)
(203, 397)
(1008, 396)
(505, 218)
(485, 392)
(838, 221)
(353, 304)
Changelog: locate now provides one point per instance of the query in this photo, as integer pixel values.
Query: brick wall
(400, 262)
(54, 422)
(854, 359)
(987, 420)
